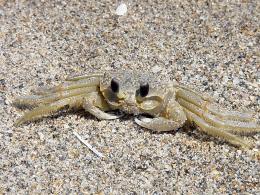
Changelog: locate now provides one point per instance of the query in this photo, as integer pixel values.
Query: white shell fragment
(121, 9)
(88, 145)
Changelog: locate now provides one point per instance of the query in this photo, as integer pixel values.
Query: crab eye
(144, 89)
(114, 85)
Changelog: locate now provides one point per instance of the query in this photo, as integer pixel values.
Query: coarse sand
(211, 47)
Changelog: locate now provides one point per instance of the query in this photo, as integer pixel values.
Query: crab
(157, 106)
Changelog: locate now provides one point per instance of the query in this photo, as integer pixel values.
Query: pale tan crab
(169, 105)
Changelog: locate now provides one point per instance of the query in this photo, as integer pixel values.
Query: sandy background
(213, 47)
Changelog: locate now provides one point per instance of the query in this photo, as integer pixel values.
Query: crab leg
(233, 115)
(68, 86)
(225, 124)
(159, 124)
(194, 92)
(198, 101)
(83, 77)
(232, 126)
(97, 112)
(95, 104)
(233, 139)
(45, 110)
(45, 99)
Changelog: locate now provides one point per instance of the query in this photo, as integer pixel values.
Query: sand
(211, 47)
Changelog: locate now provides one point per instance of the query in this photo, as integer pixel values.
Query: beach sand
(211, 47)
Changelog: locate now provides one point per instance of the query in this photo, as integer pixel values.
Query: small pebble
(113, 130)
(121, 9)
(41, 136)
(236, 81)
(156, 69)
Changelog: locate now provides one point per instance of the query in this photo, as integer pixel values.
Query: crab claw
(159, 124)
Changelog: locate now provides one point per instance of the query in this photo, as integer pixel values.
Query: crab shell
(128, 98)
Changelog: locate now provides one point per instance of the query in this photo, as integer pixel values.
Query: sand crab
(169, 105)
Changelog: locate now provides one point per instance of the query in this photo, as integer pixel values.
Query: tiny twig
(88, 145)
